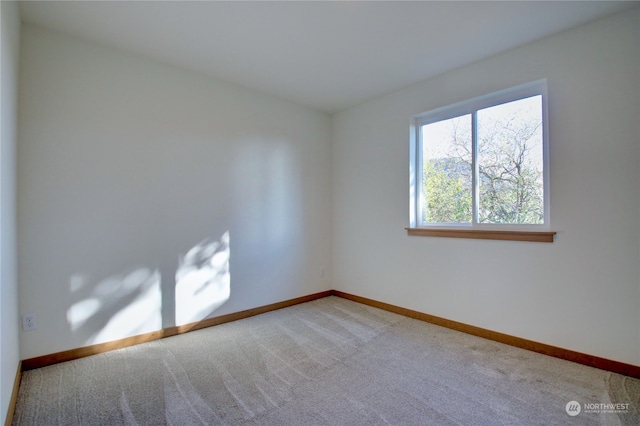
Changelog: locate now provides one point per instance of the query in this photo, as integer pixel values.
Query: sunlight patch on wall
(117, 307)
(203, 280)
(80, 312)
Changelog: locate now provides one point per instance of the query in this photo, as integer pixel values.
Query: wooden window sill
(484, 234)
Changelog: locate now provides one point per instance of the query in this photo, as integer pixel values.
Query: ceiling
(329, 55)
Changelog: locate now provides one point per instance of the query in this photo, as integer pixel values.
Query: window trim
(483, 234)
(519, 231)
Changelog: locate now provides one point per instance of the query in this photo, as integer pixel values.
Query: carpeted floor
(326, 362)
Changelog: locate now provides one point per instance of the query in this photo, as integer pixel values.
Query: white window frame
(471, 106)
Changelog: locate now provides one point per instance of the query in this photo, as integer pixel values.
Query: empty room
(320, 213)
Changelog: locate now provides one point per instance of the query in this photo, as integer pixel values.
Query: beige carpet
(326, 362)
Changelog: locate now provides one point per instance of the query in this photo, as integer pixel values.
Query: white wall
(9, 354)
(125, 164)
(581, 292)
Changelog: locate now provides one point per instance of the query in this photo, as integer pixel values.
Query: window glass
(447, 176)
(510, 163)
(483, 162)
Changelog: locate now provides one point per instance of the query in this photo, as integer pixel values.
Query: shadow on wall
(126, 304)
(203, 280)
(131, 303)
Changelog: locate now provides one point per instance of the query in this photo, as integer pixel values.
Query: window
(482, 165)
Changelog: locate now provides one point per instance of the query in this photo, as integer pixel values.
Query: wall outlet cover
(29, 322)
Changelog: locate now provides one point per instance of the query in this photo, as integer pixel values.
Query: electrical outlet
(29, 322)
(322, 272)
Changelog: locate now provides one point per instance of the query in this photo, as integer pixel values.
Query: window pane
(510, 163)
(446, 171)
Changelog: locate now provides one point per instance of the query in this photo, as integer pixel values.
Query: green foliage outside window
(509, 166)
